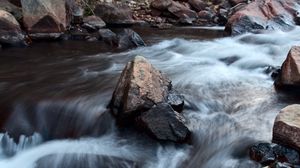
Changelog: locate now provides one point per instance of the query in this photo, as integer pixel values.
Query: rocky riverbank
(24, 22)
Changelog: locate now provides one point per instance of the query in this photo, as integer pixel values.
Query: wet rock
(184, 14)
(44, 16)
(114, 14)
(205, 15)
(78, 33)
(108, 37)
(263, 153)
(176, 101)
(139, 88)
(76, 13)
(282, 165)
(222, 17)
(16, 11)
(263, 15)
(129, 39)
(290, 70)
(230, 60)
(161, 4)
(164, 123)
(84, 161)
(144, 97)
(45, 36)
(10, 31)
(284, 154)
(93, 23)
(286, 130)
(272, 71)
(198, 5)
(269, 154)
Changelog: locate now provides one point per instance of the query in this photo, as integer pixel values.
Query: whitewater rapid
(230, 104)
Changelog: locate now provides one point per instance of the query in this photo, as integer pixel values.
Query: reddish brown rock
(44, 16)
(286, 130)
(263, 15)
(290, 70)
(185, 15)
(10, 31)
(114, 14)
(198, 5)
(144, 98)
(140, 87)
(161, 4)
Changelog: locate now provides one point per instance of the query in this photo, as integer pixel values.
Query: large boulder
(286, 130)
(114, 14)
(44, 16)
(185, 15)
(144, 97)
(163, 123)
(10, 31)
(263, 15)
(289, 75)
(140, 87)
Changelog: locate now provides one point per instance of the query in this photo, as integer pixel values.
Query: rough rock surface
(185, 15)
(286, 130)
(108, 37)
(140, 87)
(269, 154)
(290, 70)
(144, 97)
(44, 16)
(93, 23)
(129, 39)
(114, 14)
(10, 31)
(263, 15)
(16, 11)
(198, 5)
(164, 123)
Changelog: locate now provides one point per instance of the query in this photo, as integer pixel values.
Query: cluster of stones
(145, 98)
(64, 20)
(284, 151)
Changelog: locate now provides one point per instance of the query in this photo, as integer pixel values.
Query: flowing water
(54, 90)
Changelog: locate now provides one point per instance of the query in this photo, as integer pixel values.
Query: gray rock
(164, 123)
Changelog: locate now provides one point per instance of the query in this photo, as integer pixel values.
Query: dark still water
(53, 90)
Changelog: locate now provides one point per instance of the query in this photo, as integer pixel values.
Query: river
(51, 90)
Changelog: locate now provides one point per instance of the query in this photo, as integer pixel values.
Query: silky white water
(230, 105)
